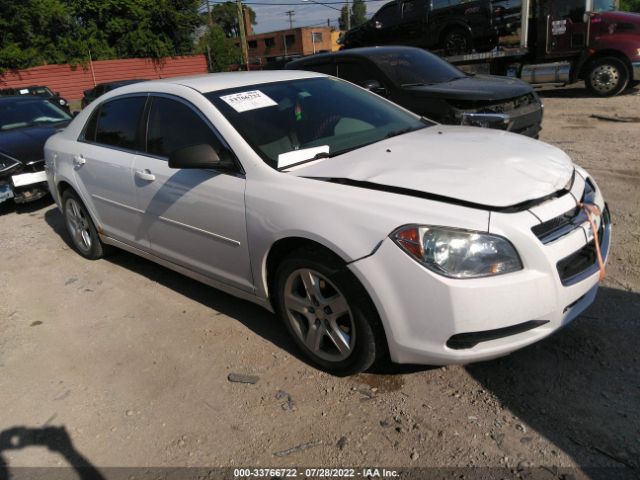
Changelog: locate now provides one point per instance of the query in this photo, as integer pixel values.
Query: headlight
(458, 253)
(7, 163)
(62, 102)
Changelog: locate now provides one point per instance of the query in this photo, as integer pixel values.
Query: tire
(346, 340)
(607, 77)
(457, 41)
(80, 227)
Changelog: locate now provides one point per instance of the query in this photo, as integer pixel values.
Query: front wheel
(607, 77)
(328, 313)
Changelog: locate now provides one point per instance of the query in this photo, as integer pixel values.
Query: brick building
(272, 46)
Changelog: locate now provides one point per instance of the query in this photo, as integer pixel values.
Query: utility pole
(290, 14)
(348, 17)
(243, 35)
(210, 20)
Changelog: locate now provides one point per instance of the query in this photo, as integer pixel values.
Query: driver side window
(173, 125)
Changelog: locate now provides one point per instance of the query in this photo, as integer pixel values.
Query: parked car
(100, 89)
(40, 91)
(370, 230)
(26, 122)
(455, 26)
(429, 86)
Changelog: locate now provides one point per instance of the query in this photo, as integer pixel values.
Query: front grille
(563, 224)
(584, 262)
(504, 106)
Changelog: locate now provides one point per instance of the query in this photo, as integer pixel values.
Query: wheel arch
(283, 247)
(584, 68)
(64, 185)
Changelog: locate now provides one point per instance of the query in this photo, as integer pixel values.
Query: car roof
(221, 81)
(363, 52)
(21, 98)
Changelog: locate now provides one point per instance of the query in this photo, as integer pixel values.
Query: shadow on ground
(56, 440)
(25, 208)
(580, 388)
(578, 91)
(256, 318)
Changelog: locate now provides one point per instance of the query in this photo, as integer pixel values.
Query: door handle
(78, 161)
(145, 175)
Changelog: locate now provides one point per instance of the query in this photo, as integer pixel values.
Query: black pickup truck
(454, 26)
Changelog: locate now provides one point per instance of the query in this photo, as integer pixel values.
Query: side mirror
(57, 94)
(200, 156)
(375, 86)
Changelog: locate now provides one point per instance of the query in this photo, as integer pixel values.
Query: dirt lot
(131, 360)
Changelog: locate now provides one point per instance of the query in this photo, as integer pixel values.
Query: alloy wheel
(319, 315)
(78, 225)
(605, 78)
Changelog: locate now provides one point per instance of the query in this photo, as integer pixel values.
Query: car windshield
(415, 67)
(292, 122)
(28, 113)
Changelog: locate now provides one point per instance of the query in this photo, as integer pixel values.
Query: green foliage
(225, 15)
(358, 15)
(222, 51)
(37, 32)
(630, 5)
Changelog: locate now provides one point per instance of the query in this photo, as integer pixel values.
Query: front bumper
(635, 66)
(426, 315)
(23, 185)
(525, 120)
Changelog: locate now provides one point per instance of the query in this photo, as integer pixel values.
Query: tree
(358, 13)
(630, 5)
(38, 32)
(226, 16)
(222, 51)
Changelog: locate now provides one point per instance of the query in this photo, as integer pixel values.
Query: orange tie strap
(592, 210)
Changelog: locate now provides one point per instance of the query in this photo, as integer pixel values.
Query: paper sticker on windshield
(245, 101)
(24, 91)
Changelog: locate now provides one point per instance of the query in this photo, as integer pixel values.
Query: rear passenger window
(118, 122)
(173, 125)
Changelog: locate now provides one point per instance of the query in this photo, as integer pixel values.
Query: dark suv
(455, 26)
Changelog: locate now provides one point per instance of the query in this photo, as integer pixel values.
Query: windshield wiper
(317, 156)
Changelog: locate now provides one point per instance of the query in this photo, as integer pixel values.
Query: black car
(26, 122)
(40, 91)
(102, 88)
(429, 86)
(455, 26)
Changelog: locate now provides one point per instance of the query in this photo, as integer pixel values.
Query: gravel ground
(130, 360)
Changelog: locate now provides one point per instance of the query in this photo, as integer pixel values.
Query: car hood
(476, 166)
(478, 88)
(27, 144)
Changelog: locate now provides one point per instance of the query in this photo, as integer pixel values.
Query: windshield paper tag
(298, 156)
(245, 101)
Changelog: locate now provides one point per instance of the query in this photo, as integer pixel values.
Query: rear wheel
(328, 313)
(80, 227)
(607, 77)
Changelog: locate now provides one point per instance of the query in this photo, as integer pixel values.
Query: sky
(270, 14)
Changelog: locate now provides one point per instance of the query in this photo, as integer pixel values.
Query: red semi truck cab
(598, 44)
(564, 41)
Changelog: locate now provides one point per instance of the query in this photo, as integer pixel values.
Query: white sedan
(373, 233)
